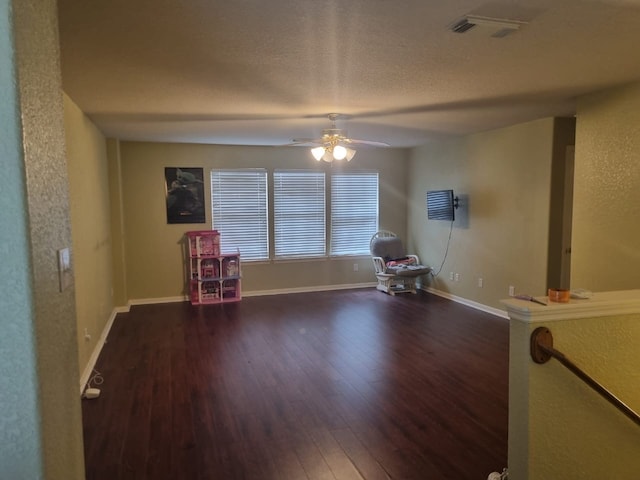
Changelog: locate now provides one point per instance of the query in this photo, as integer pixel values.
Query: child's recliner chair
(395, 270)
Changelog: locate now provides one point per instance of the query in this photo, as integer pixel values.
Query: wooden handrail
(542, 350)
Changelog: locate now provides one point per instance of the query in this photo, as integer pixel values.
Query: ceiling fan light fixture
(339, 152)
(332, 146)
(328, 156)
(330, 153)
(318, 153)
(350, 153)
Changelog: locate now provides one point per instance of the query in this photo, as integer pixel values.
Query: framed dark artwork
(184, 189)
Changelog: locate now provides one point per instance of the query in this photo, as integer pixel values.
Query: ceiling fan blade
(303, 141)
(354, 141)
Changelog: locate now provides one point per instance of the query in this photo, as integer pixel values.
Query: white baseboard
(318, 288)
(254, 293)
(88, 369)
(150, 301)
(469, 303)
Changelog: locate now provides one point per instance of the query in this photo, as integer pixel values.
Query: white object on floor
(91, 393)
(499, 476)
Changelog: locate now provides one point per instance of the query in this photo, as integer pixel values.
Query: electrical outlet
(355, 267)
(87, 336)
(451, 275)
(479, 282)
(457, 277)
(512, 291)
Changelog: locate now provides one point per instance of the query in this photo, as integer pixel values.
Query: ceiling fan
(334, 144)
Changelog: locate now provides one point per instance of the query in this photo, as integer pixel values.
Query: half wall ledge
(601, 304)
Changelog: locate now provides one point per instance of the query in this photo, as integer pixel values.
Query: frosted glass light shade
(350, 153)
(317, 153)
(329, 154)
(339, 152)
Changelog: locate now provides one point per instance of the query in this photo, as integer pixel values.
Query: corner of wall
(118, 253)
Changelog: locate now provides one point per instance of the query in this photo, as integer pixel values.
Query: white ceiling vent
(498, 27)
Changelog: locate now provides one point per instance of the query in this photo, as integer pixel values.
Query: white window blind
(239, 211)
(354, 212)
(299, 224)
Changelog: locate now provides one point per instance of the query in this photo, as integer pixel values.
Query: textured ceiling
(250, 72)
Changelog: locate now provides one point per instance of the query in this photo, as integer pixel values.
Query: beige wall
(570, 431)
(606, 230)
(502, 228)
(90, 220)
(153, 249)
(54, 318)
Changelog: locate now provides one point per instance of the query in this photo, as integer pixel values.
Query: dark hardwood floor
(344, 385)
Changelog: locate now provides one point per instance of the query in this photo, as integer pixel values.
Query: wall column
(52, 317)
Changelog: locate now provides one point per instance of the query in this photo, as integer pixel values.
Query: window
(239, 200)
(299, 224)
(354, 212)
(239, 211)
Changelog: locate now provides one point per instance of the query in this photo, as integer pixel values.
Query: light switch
(64, 269)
